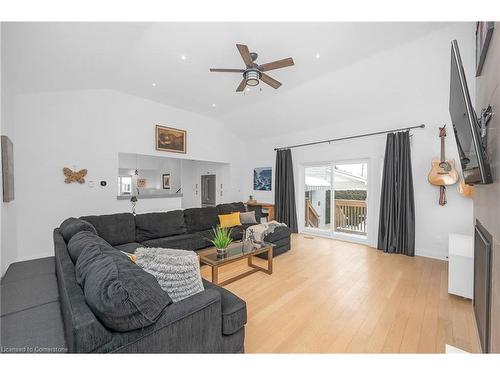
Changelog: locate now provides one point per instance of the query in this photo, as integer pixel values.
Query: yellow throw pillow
(229, 220)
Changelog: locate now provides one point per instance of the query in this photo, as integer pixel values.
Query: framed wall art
(170, 139)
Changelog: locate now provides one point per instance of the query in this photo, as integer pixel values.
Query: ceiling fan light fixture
(253, 73)
(252, 77)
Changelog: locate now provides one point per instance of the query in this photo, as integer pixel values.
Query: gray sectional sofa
(212, 321)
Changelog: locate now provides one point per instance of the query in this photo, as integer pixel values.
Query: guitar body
(443, 173)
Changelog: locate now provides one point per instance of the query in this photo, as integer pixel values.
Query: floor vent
(309, 237)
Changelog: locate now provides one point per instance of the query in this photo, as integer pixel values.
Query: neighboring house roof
(319, 179)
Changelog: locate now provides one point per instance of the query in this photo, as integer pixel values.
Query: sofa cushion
(190, 241)
(80, 241)
(128, 247)
(159, 224)
(234, 309)
(121, 294)
(29, 269)
(229, 208)
(199, 219)
(117, 229)
(237, 232)
(248, 217)
(177, 271)
(278, 234)
(72, 226)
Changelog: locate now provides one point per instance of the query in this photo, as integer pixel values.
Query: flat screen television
(473, 158)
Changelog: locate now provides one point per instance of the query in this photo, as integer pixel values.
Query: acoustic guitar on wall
(443, 172)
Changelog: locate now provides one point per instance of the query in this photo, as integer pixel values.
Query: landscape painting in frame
(170, 139)
(262, 178)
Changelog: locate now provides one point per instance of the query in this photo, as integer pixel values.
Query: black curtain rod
(350, 137)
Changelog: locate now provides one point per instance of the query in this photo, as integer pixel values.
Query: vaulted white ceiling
(130, 57)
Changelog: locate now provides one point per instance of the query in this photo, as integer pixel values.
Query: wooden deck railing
(312, 217)
(350, 216)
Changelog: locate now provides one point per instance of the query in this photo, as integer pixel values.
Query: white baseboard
(430, 254)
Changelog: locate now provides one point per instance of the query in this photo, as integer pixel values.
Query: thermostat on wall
(103, 183)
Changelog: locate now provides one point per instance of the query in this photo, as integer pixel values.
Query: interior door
(208, 190)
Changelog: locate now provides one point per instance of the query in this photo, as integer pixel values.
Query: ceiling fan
(255, 72)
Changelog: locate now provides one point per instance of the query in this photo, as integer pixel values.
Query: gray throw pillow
(72, 226)
(177, 271)
(122, 295)
(248, 217)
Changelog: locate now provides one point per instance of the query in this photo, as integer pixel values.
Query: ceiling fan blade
(227, 70)
(270, 81)
(276, 64)
(245, 55)
(242, 85)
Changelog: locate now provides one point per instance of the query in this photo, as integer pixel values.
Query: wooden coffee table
(235, 252)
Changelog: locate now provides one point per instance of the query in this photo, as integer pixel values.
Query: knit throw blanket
(260, 231)
(177, 271)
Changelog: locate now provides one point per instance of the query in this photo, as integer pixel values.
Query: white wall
(1, 133)
(419, 92)
(87, 129)
(192, 170)
(8, 237)
(2, 271)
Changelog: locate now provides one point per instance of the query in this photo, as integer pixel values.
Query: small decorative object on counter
(251, 199)
(133, 200)
(141, 182)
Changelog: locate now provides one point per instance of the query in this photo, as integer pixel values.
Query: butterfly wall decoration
(72, 176)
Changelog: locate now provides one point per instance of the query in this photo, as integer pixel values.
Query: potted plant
(221, 239)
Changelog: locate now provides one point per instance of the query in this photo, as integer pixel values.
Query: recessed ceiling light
(153, 84)
(214, 105)
(318, 55)
(183, 57)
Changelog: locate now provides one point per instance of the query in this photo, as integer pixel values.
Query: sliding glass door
(318, 193)
(335, 198)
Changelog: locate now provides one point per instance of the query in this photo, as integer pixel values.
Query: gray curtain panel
(396, 232)
(284, 190)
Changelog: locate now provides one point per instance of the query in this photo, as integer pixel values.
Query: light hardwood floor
(328, 296)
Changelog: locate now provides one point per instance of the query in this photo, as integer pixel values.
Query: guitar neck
(442, 149)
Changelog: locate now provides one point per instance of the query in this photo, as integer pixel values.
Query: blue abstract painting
(262, 178)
